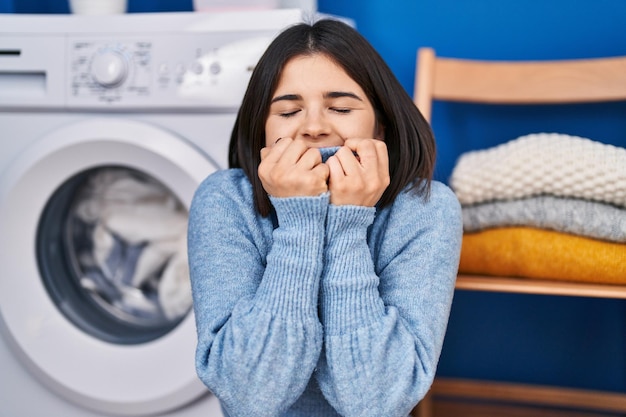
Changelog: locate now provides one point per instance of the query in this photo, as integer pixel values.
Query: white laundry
(103, 243)
(175, 286)
(135, 302)
(111, 188)
(139, 233)
(153, 258)
(144, 222)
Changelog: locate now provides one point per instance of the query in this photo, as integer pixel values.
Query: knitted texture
(320, 310)
(570, 215)
(544, 254)
(543, 163)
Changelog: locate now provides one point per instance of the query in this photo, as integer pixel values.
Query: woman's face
(319, 103)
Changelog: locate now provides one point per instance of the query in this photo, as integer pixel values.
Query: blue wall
(564, 341)
(62, 6)
(551, 340)
(495, 29)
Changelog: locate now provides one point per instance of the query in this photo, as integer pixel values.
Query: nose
(315, 125)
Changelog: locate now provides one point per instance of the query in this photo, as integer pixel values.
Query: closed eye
(342, 110)
(288, 113)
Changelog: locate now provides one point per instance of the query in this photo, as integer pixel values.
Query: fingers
(290, 152)
(275, 151)
(335, 168)
(290, 168)
(372, 153)
(360, 179)
(265, 151)
(322, 172)
(357, 174)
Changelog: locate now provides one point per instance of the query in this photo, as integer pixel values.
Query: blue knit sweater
(320, 310)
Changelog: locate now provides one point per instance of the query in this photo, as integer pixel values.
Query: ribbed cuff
(290, 283)
(298, 211)
(350, 305)
(348, 222)
(350, 297)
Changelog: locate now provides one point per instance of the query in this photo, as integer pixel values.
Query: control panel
(109, 71)
(182, 69)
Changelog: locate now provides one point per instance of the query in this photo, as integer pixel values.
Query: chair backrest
(521, 82)
(517, 82)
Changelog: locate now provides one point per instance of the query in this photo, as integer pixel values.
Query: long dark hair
(408, 136)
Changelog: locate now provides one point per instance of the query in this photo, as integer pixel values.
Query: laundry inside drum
(113, 255)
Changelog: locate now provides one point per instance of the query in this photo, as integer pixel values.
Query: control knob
(109, 68)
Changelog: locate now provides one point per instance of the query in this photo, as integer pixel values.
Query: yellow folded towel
(538, 253)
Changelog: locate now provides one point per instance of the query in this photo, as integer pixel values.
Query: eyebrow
(331, 94)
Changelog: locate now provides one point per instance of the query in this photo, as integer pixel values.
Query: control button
(197, 68)
(109, 68)
(180, 69)
(164, 69)
(215, 68)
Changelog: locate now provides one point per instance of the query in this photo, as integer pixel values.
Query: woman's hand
(290, 168)
(359, 179)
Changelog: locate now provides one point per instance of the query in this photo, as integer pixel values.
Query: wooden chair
(518, 82)
(521, 82)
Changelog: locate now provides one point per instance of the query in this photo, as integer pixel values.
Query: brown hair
(409, 139)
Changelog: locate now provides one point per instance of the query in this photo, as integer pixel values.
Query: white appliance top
(151, 61)
(150, 22)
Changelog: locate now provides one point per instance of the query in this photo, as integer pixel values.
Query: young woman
(323, 262)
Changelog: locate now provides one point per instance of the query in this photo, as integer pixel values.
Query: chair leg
(425, 407)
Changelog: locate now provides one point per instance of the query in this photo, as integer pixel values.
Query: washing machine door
(94, 290)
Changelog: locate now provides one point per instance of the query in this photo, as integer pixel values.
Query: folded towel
(536, 253)
(579, 217)
(539, 164)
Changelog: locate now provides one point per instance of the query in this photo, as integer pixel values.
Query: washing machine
(108, 124)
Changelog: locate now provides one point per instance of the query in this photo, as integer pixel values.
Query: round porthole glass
(111, 250)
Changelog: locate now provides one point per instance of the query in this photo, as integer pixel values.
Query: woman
(323, 262)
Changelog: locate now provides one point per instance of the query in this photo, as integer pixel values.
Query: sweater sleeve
(259, 336)
(384, 321)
